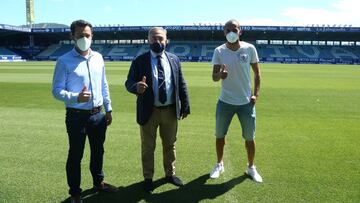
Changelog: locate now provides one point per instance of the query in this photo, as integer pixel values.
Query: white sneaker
(251, 171)
(219, 169)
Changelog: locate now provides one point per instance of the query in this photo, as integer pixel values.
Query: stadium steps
(49, 51)
(5, 51)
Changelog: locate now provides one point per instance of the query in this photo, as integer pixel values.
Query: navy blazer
(141, 66)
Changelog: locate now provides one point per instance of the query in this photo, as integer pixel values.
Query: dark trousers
(78, 126)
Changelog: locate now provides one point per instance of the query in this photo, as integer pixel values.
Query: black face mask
(157, 47)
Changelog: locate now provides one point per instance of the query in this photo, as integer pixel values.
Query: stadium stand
(4, 51)
(307, 53)
(49, 51)
(185, 50)
(202, 51)
(191, 43)
(7, 55)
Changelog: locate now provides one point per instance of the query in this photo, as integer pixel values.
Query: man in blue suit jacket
(162, 98)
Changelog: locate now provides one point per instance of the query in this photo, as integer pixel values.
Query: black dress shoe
(76, 199)
(174, 180)
(148, 185)
(106, 187)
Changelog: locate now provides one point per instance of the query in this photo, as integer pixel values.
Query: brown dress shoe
(106, 187)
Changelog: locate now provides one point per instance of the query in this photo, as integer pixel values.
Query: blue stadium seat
(203, 51)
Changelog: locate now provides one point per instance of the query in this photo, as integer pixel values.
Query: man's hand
(220, 71)
(223, 72)
(108, 118)
(253, 99)
(84, 95)
(141, 86)
(184, 115)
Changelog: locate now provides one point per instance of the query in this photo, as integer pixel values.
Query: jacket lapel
(148, 70)
(173, 67)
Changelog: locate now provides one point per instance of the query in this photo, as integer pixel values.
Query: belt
(165, 107)
(91, 111)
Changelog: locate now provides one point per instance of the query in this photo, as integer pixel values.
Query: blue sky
(186, 12)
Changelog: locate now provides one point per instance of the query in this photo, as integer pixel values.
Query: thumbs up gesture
(141, 86)
(84, 95)
(223, 72)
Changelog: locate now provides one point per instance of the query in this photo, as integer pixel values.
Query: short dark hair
(232, 21)
(79, 23)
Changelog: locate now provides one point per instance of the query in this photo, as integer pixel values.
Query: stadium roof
(189, 33)
(251, 33)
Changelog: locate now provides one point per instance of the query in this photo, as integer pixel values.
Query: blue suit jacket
(141, 66)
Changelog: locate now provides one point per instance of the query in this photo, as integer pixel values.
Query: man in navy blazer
(162, 98)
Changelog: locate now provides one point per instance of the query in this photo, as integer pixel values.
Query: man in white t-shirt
(232, 62)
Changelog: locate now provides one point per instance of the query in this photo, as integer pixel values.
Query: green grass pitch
(308, 138)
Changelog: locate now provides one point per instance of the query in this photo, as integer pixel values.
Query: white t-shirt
(236, 88)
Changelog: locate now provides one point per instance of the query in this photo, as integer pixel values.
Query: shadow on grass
(194, 191)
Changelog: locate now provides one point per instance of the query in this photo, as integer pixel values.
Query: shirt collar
(154, 55)
(75, 53)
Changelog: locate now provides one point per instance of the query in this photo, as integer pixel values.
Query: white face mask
(83, 43)
(232, 37)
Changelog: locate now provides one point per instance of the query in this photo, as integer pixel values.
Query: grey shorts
(246, 114)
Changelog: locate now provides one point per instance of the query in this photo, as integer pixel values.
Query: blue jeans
(78, 126)
(246, 114)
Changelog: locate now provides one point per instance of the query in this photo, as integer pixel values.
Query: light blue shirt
(74, 71)
(168, 81)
